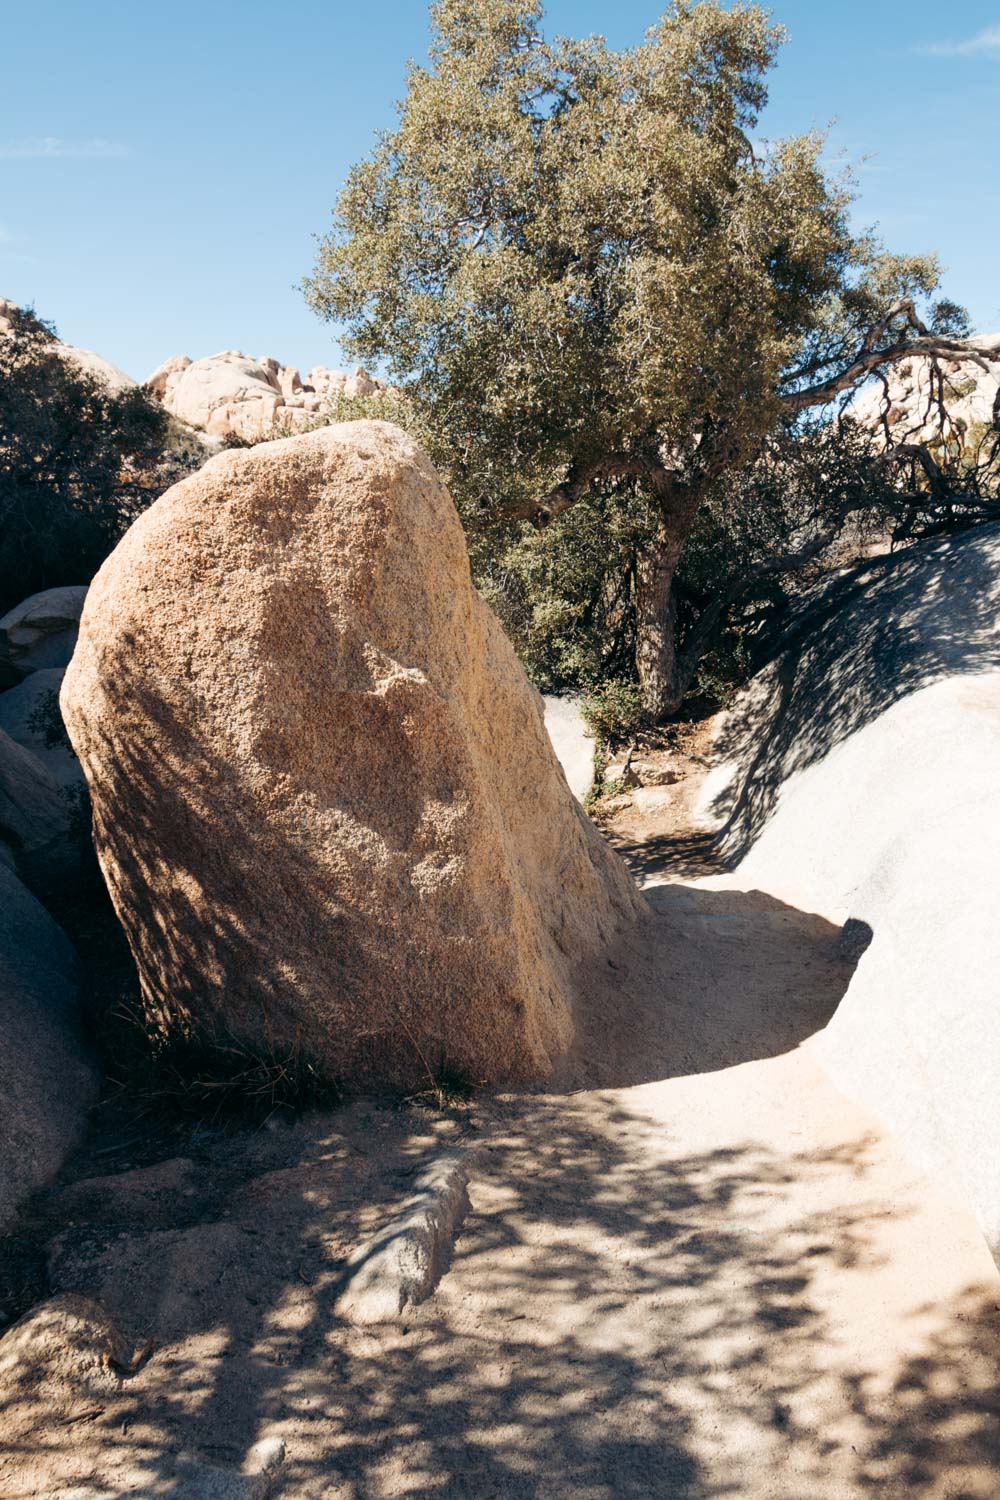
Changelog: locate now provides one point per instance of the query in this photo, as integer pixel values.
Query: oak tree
(591, 276)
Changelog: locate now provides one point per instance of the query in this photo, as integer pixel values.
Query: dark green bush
(614, 711)
(78, 462)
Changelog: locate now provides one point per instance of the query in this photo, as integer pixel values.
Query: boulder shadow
(710, 979)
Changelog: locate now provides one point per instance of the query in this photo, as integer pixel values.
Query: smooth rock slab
(572, 742)
(864, 786)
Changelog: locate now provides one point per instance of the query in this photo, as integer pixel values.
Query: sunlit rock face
(231, 395)
(324, 798)
(864, 787)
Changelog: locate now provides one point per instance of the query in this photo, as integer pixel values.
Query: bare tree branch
(866, 361)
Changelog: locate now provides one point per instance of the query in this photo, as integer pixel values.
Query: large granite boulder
(325, 802)
(47, 1081)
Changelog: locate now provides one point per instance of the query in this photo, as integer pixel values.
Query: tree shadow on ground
(623, 1317)
(867, 639)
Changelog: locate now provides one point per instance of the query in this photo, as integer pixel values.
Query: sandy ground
(692, 1269)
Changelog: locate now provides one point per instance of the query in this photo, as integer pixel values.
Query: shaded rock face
(40, 632)
(29, 715)
(324, 799)
(34, 814)
(47, 1082)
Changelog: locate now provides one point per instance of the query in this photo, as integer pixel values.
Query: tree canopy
(77, 462)
(590, 273)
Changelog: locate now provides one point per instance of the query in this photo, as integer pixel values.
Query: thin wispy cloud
(51, 147)
(984, 44)
(10, 252)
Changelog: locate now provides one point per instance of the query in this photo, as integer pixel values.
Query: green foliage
(383, 406)
(566, 251)
(594, 283)
(613, 711)
(809, 476)
(565, 593)
(78, 462)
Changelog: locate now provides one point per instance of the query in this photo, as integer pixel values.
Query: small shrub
(206, 1074)
(614, 710)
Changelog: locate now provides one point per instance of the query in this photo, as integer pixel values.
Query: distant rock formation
(324, 798)
(84, 359)
(923, 402)
(230, 395)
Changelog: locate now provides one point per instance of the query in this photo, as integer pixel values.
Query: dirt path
(694, 1271)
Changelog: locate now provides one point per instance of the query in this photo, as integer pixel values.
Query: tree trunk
(656, 656)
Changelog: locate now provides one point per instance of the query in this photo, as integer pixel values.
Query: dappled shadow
(866, 640)
(625, 1316)
(682, 856)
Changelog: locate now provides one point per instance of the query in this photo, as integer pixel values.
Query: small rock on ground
(404, 1262)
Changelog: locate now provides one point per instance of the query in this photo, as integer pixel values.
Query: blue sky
(164, 168)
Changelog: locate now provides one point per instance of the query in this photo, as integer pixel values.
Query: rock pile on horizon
(231, 395)
(923, 401)
(226, 395)
(324, 798)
